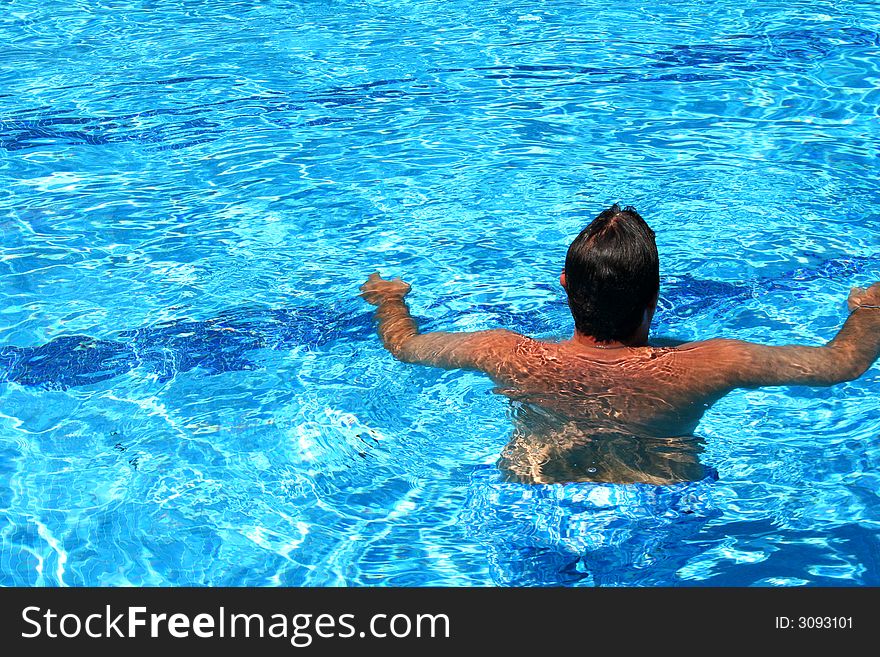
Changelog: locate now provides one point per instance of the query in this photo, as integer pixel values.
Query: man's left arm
(486, 351)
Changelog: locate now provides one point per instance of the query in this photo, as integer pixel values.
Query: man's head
(612, 276)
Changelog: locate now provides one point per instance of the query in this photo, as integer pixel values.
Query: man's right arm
(852, 351)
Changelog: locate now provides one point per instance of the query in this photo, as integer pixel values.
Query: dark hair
(612, 272)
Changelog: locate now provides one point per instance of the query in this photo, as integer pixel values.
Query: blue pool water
(192, 192)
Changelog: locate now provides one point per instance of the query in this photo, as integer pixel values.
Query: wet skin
(624, 411)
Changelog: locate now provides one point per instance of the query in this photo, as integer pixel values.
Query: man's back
(654, 391)
(592, 414)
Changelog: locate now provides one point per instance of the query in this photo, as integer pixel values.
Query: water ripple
(191, 393)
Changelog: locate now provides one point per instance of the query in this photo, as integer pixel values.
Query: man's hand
(377, 289)
(484, 351)
(859, 296)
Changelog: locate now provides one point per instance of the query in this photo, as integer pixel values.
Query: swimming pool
(200, 188)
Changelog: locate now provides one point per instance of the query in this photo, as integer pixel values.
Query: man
(606, 405)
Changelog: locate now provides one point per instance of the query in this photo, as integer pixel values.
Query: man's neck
(639, 339)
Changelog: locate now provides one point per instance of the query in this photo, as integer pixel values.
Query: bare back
(657, 391)
(589, 414)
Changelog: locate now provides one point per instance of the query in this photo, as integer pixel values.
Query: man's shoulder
(718, 360)
(710, 350)
(503, 343)
(712, 345)
(502, 335)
